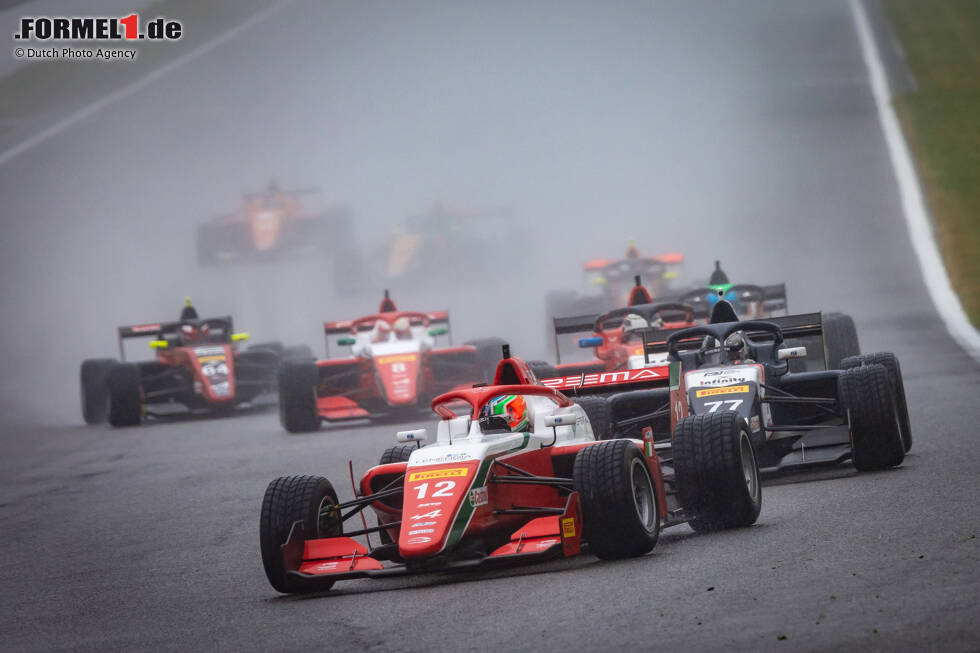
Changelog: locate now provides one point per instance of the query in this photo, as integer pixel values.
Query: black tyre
(298, 352)
(488, 353)
(93, 388)
(272, 345)
(868, 395)
(620, 514)
(597, 410)
(287, 500)
(297, 396)
(397, 454)
(716, 471)
(543, 370)
(890, 362)
(840, 339)
(124, 396)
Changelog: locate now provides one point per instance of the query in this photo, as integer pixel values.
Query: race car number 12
(443, 489)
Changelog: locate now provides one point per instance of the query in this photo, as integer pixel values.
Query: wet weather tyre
(597, 410)
(290, 499)
(890, 363)
(93, 388)
(397, 454)
(297, 396)
(488, 354)
(840, 338)
(543, 370)
(298, 352)
(124, 396)
(716, 471)
(620, 513)
(868, 396)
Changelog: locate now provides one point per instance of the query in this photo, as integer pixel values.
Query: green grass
(942, 123)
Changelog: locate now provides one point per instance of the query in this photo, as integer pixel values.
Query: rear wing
(774, 298)
(803, 328)
(154, 329)
(344, 326)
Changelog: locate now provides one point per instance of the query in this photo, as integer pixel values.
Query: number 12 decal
(443, 489)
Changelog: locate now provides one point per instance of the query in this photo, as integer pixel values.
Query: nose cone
(437, 507)
(399, 375)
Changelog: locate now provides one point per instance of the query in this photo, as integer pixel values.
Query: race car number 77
(713, 405)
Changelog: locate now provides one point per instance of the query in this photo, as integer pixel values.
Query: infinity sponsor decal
(732, 390)
(602, 378)
(438, 473)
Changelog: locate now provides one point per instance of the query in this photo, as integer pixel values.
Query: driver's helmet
(505, 413)
(403, 328)
(382, 331)
(191, 333)
(736, 343)
(632, 322)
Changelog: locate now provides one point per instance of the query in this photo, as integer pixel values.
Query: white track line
(913, 205)
(85, 112)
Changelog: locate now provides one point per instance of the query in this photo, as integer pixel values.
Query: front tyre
(890, 362)
(297, 396)
(620, 513)
(290, 499)
(716, 471)
(92, 381)
(124, 395)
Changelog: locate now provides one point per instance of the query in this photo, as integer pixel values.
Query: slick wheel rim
(749, 469)
(643, 497)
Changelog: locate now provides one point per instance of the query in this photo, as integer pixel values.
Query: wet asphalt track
(147, 538)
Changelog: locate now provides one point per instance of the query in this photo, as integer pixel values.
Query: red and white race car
(395, 367)
(516, 474)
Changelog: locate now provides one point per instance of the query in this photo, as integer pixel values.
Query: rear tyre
(716, 471)
(620, 514)
(93, 388)
(488, 353)
(890, 362)
(397, 454)
(287, 500)
(124, 396)
(840, 339)
(597, 410)
(272, 345)
(298, 352)
(543, 370)
(867, 394)
(297, 396)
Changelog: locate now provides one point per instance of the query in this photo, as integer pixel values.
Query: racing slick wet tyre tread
(124, 397)
(290, 499)
(603, 478)
(867, 393)
(841, 339)
(397, 454)
(297, 396)
(93, 387)
(543, 370)
(600, 417)
(890, 363)
(709, 473)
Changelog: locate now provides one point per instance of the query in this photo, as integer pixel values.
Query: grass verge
(941, 121)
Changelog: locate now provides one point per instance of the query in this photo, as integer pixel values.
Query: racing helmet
(189, 333)
(402, 328)
(382, 331)
(632, 321)
(507, 413)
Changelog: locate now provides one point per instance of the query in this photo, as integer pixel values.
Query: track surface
(147, 538)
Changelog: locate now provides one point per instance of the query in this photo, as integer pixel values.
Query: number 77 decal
(713, 405)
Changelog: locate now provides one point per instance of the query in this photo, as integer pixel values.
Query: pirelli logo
(730, 390)
(398, 358)
(438, 473)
